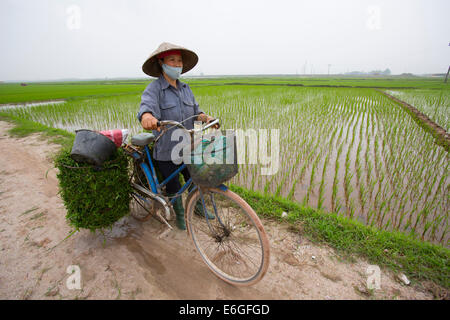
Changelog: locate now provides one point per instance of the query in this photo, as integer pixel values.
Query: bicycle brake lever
(212, 123)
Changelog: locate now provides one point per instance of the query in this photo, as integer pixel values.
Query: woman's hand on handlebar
(211, 119)
(149, 122)
(205, 118)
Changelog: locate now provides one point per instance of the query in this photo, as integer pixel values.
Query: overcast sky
(43, 39)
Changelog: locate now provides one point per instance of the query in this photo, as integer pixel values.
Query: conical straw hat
(151, 65)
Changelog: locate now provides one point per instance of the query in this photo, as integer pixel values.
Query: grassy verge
(439, 133)
(25, 127)
(417, 259)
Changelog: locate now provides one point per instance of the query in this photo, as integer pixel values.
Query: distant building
(23, 84)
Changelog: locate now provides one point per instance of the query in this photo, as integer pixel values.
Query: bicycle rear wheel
(141, 206)
(234, 245)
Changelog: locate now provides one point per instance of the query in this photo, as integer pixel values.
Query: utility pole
(446, 77)
(329, 65)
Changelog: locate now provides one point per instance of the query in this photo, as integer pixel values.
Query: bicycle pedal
(164, 221)
(164, 233)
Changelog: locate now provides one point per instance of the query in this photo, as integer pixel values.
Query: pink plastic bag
(118, 136)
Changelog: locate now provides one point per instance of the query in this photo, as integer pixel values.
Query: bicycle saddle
(143, 139)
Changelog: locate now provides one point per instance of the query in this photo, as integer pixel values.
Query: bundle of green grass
(94, 197)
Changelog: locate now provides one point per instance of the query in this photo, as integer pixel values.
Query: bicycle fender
(222, 187)
(189, 196)
(195, 190)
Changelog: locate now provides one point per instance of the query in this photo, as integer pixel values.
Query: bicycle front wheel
(234, 244)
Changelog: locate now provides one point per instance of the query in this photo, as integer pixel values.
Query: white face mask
(173, 72)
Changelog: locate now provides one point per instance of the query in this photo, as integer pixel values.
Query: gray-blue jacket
(165, 102)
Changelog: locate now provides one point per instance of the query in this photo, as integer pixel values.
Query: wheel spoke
(231, 244)
(141, 206)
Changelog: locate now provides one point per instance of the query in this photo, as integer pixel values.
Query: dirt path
(131, 263)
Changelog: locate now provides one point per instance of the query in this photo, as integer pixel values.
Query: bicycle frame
(149, 170)
(150, 173)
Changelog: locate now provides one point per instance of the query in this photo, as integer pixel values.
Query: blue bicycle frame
(149, 170)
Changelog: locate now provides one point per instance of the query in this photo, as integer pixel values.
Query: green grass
(344, 81)
(434, 103)
(24, 127)
(418, 260)
(35, 91)
(40, 91)
(427, 126)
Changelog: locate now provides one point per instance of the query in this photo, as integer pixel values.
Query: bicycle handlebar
(177, 124)
(164, 123)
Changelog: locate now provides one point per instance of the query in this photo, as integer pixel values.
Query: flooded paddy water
(4, 107)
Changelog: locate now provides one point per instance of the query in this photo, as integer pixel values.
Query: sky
(62, 39)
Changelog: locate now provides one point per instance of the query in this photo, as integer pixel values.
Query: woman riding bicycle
(167, 98)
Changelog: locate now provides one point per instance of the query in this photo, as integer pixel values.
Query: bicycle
(234, 244)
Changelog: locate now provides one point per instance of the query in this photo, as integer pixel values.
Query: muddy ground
(130, 262)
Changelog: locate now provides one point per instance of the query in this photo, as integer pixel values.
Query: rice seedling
(434, 103)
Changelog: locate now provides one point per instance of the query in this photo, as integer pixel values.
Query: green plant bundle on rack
(94, 197)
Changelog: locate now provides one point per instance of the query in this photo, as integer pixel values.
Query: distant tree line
(373, 72)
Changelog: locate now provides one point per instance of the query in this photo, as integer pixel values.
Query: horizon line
(347, 74)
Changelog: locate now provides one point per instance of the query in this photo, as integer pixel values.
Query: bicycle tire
(224, 243)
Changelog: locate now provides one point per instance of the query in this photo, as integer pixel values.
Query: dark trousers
(167, 168)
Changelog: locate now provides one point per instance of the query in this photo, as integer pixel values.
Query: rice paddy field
(434, 103)
(344, 147)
